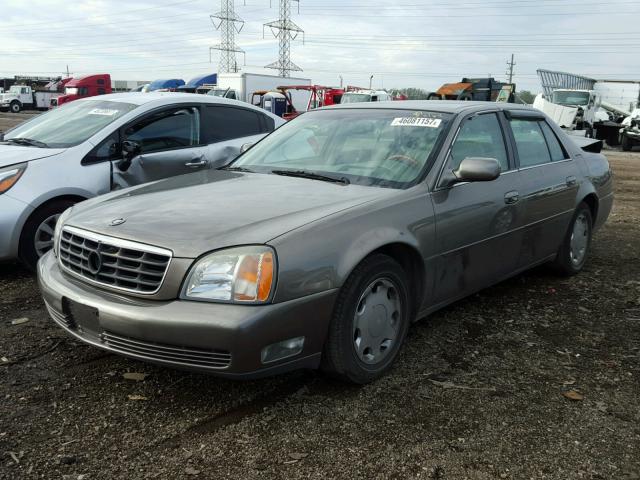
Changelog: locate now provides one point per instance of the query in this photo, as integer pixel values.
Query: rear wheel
(37, 235)
(370, 321)
(573, 252)
(15, 107)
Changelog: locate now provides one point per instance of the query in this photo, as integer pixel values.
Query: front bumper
(13, 214)
(222, 339)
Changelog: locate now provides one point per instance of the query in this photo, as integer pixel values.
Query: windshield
(217, 92)
(71, 91)
(15, 89)
(72, 123)
(355, 98)
(571, 98)
(380, 147)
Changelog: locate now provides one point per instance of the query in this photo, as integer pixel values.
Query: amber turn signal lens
(8, 179)
(254, 278)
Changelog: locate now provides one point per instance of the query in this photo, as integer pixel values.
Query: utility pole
(229, 24)
(509, 72)
(284, 30)
(371, 82)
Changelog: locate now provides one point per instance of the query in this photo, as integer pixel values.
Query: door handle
(511, 197)
(571, 181)
(196, 163)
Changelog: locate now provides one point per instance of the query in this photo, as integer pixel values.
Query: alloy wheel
(43, 240)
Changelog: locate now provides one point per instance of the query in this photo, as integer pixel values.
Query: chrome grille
(116, 263)
(187, 356)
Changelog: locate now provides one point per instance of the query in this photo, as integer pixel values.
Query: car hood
(12, 154)
(196, 213)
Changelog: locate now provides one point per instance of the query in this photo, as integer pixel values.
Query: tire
(574, 250)
(353, 353)
(626, 143)
(36, 225)
(465, 96)
(15, 107)
(434, 96)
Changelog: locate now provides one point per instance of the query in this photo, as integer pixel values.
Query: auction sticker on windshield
(104, 111)
(416, 122)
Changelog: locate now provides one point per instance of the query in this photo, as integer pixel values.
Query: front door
(168, 143)
(478, 235)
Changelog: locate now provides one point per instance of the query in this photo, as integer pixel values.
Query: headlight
(56, 232)
(10, 175)
(236, 275)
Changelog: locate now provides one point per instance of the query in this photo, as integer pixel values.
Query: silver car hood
(196, 213)
(12, 154)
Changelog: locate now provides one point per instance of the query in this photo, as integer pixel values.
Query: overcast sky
(409, 43)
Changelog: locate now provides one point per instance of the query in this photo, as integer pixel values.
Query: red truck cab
(88, 86)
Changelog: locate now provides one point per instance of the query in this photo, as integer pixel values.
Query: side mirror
(246, 147)
(477, 169)
(130, 148)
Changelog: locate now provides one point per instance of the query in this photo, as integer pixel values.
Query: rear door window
(555, 148)
(220, 123)
(530, 142)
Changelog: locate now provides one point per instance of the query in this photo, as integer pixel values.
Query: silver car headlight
(56, 232)
(235, 275)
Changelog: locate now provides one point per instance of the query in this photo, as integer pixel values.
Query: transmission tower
(229, 24)
(285, 30)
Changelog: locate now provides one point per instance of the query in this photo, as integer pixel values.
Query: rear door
(478, 235)
(225, 128)
(549, 185)
(169, 142)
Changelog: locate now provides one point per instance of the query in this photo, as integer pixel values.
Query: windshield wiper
(27, 141)
(237, 169)
(311, 175)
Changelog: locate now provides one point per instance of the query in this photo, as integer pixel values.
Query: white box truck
(241, 86)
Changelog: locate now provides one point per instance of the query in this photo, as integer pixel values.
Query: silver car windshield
(381, 147)
(70, 124)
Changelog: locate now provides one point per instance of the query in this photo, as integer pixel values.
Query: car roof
(159, 99)
(444, 106)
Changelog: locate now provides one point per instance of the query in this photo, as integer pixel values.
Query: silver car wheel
(43, 240)
(579, 239)
(377, 321)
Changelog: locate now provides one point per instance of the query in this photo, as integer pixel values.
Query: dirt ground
(9, 120)
(478, 392)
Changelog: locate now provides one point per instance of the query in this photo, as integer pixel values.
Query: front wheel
(15, 107)
(37, 235)
(573, 252)
(626, 143)
(370, 321)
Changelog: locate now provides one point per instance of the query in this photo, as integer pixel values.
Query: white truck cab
(21, 97)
